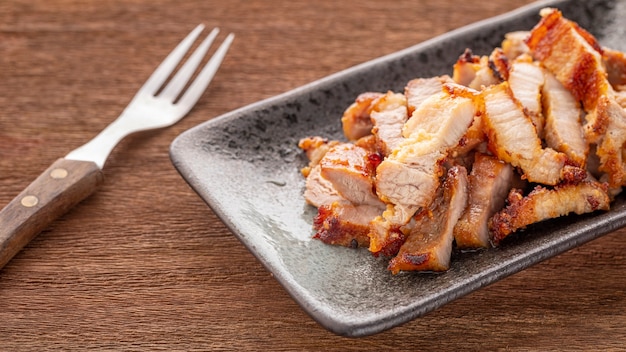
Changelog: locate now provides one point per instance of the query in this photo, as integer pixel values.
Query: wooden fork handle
(64, 184)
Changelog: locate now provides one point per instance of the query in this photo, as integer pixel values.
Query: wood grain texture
(143, 264)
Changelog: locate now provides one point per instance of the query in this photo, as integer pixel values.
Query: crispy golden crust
(543, 203)
(572, 54)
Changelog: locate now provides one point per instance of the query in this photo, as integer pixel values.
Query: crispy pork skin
(571, 54)
(489, 184)
(513, 138)
(564, 130)
(351, 171)
(429, 244)
(543, 203)
(356, 121)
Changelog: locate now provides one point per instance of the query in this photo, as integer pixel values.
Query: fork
(158, 103)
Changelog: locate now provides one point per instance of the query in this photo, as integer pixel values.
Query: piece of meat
(499, 64)
(436, 114)
(513, 138)
(314, 148)
(572, 54)
(514, 44)
(526, 80)
(563, 129)
(356, 120)
(489, 184)
(615, 65)
(489, 70)
(388, 116)
(419, 89)
(465, 68)
(429, 244)
(344, 224)
(611, 118)
(409, 177)
(351, 170)
(318, 191)
(542, 204)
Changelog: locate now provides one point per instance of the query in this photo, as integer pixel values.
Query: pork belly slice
(489, 184)
(314, 147)
(572, 54)
(408, 178)
(350, 169)
(344, 224)
(477, 72)
(318, 191)
(419, 89)
(513, 138)
(563, 129)
(542, 204)
(615, 65)
(514, 44)
(611, 121)
(428, 246)
(388, 115)
(465, 68)
(526, 80)
(356, 120)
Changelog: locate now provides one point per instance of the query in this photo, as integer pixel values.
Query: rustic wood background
(145, 265)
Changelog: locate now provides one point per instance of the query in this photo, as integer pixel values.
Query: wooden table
(144, 264)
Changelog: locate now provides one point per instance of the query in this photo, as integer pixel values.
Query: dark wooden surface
(144, 265)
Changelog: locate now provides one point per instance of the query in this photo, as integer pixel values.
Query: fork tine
(168, 65)
(178, 82)
(198, 86)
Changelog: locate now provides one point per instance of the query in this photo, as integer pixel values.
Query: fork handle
(64, 184)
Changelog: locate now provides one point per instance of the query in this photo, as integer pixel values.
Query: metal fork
(71, 179)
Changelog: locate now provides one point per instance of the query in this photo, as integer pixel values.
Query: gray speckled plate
(245, 165)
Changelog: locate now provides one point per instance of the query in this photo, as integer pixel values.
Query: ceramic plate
(245, 165)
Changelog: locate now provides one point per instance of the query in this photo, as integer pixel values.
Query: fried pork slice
(564, 130)
(526, 79)
(615, 64)
(513, 138)
(351, 171)
(572, 54)
(356, 120)
(465, 68)
(489, 184)
(476, 72)
(428, 246)
(419, 89)
(514, 44)
(408, 178)
(344, 224)
(318, 191)
(314, 148)
(610, 147)
(388, 115)
(542, 204)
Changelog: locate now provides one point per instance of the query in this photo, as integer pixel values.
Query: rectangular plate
(245, 165)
